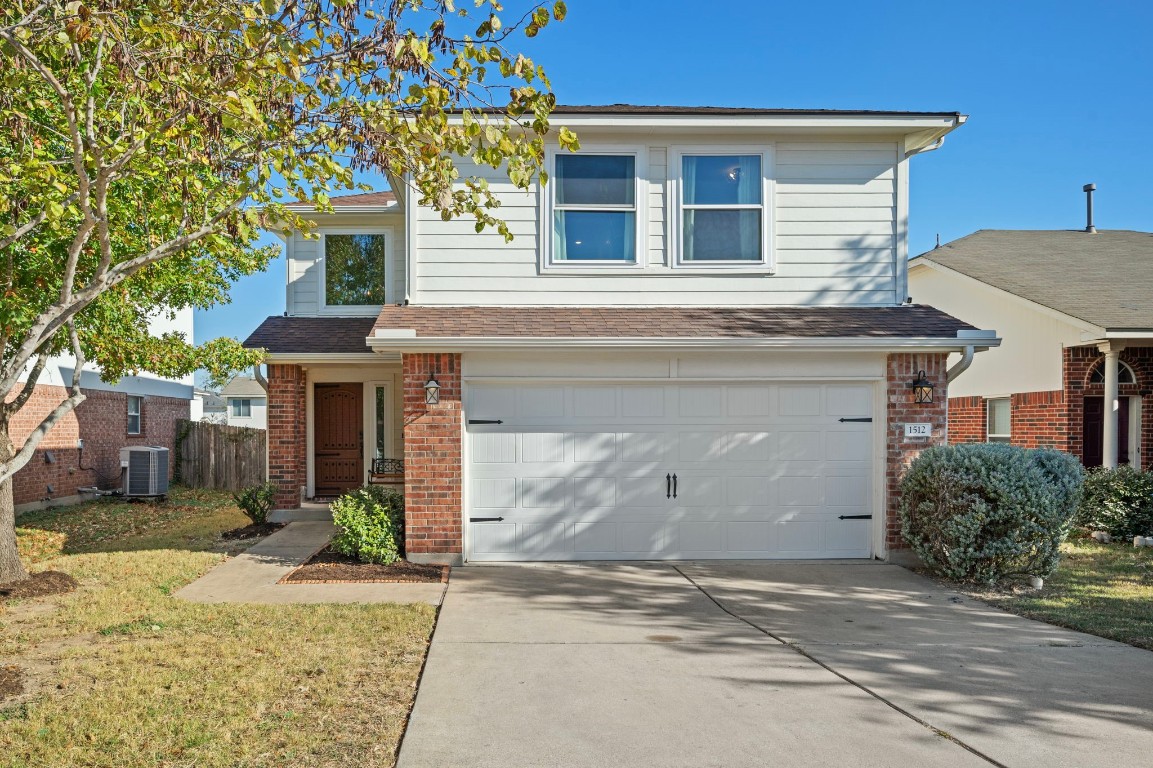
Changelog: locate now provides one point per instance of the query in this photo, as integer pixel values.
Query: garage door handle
(855, 517)
(865, 418)
(486, 519)
(674, 485)
(668, 486)
(485, 421)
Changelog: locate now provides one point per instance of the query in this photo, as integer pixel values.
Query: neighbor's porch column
(1109, 430)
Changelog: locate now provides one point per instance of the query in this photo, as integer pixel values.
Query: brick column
(900, 452)
(432, 460)
(287, 431)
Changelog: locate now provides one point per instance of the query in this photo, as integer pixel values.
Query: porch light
(922, 389)
(432, 391)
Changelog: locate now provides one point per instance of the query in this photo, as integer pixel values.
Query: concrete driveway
(695, 664)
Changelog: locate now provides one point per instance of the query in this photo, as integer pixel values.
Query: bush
(984, 512)
(1119, 501)
(256, 502)
(371, 522)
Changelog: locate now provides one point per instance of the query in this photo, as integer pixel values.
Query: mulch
(252, 531)
(11, 682)
(329, 567)
(40, 585)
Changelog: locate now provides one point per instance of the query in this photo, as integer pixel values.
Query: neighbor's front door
(1094, 431)
(339, 450)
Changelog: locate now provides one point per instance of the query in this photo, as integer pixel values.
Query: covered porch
(1108, 388)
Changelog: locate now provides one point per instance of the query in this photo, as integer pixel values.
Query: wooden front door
(1094, 431)
(339, 447)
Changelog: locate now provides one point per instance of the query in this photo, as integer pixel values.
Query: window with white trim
(241, 407)
(355, 264)
(135, 410)
(999, 413)
(594, 209)
(722, 208)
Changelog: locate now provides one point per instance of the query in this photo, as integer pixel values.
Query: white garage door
(633, 472)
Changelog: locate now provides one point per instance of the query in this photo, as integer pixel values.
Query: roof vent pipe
(1089, 189)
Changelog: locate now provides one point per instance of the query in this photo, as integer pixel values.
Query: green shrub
(1119, 501)
(984, 512)
(371, 522)
(256, 502)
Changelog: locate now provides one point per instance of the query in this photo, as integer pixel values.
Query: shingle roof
(1105, 279)
(312, 335)
(363, 200)
(243, 386)
(673, 322)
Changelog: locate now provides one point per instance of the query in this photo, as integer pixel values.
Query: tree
(145, 143)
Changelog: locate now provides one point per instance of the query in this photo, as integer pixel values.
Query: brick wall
(900, 452)
(101, 421)
(967, 419)
(287, 433)
(432, 459)
(1039, 420)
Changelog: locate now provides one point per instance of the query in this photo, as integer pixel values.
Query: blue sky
(1058, 95)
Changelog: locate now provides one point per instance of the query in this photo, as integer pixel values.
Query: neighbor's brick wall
(900, 452)
(432, 457)
(287, 431)
(1078, 363)
(102, 422)
(967, 419)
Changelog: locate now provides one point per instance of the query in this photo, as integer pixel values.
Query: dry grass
(120, 673)
(1102, 589)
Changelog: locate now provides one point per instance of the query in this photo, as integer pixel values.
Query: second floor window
(722, 208)
(354, 267)
(595, 209)
(241, 408)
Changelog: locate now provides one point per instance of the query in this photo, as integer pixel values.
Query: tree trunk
(11, 569)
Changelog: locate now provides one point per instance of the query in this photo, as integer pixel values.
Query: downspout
(961, 366)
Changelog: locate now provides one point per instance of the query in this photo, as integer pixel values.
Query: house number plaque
(918, 430)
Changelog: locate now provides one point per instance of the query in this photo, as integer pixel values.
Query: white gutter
(405, 340)
(969, 351)
(323, 357)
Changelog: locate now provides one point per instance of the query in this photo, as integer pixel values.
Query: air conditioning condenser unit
(145, 470)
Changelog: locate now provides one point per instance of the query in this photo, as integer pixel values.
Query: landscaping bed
(330, 567)
(41, 584)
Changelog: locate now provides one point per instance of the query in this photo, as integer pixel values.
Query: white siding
(834, 240)
(1029, 358)
(305, 278)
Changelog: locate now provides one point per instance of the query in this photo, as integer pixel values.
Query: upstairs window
(722, 209)
(241, 408)
(1000, 417)
(354, 270)
(595, 209)
(135, 408)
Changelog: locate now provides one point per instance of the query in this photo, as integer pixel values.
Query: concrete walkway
(252, 576)
(763, 664)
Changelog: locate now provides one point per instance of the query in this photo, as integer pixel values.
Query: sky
(1058, 95)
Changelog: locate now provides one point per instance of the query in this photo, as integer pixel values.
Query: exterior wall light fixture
(922, 389)
(432, 391)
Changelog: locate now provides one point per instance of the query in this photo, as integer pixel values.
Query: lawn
(1101, 589)
(120, 673)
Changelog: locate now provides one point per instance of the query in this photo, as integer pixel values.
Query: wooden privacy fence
(219, 456)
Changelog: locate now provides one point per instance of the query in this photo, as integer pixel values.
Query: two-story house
(697, 346)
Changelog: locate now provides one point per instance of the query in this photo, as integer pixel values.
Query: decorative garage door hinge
(485, 421)
(485, 519)
(854, 517)
(862, 418)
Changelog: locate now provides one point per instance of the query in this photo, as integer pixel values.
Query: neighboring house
(83, 450)
(1075, 310)
(209, 406)
(246, 403)
(696, 347)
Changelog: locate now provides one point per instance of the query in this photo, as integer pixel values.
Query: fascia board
(322, 357)
(829, 344)
(1085, 326)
